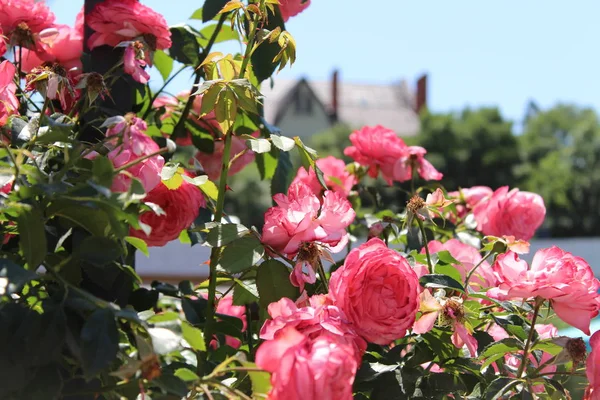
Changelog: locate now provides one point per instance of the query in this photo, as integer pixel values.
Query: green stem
(422, 228)
(216, 251)
(155, 96)
(472, 271)
(249, 330)
(251, 38)
(179, 128)
(323, 276)
(15, 165)
(536, 310)
(42, 113)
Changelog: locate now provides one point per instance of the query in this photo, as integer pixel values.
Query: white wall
(177, 261)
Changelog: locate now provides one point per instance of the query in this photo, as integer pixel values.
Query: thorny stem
(422, 228)
(536, 310)
(42, 113)
(216, 251)
(472, 271)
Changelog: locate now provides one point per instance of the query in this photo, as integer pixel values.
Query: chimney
(334, 95)
(421, 98)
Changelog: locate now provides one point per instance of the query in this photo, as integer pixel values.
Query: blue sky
(502, 52)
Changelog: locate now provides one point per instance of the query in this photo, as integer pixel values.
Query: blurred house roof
(392, 106)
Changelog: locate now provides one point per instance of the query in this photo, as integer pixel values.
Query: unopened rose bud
(376, 230)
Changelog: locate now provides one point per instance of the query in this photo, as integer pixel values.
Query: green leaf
(445, 257)
(273, 283)
(202, 140)
(98, 251)
(211, 8)
(139, 244)
(164, 341)
(262, 58)
(167, 316)
(261, 381)
(499, 387)
(197, 14)
(163, 63)
(226, 110)
(284, 174)
(223, 234)
(103, 171)
(449, 270)
(16, 275)
(244, 292)
(283, 143)
(193, 336)
(32, 236)
(498, 349)
(85, 215)
(267, 163)
(210, 189)
(440, 281)
(185, 48)
(241, 254)
(226, 33)
(186, 375)
(172, 385)
(259, 145)
(99, 342)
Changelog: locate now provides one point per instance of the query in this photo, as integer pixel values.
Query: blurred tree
(474, 147)
(561, 161)
(332, 142)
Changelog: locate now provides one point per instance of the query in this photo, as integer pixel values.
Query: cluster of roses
(317, 342)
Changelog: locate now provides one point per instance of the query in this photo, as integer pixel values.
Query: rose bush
(426, 301)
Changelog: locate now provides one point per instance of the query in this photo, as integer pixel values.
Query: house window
(303, 102)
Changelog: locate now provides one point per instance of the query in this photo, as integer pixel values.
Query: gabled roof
(358, 104)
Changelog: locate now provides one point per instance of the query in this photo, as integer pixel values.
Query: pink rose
(116, 21)
(23, 20)
(65, 48)
(468, 198)
(225, 306)
(135, 144)
(378, 291)
(513, 213)
(304, 368)
(469, 257)
(2, 43)
(592, 370)
(134, 62)
(291, 8)
(377, 148)
(181, 207)
(556, 275)
(301, 217)
(9, 104)
(319, 317)
(414, 157)
(451, 311)
(337, 178)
